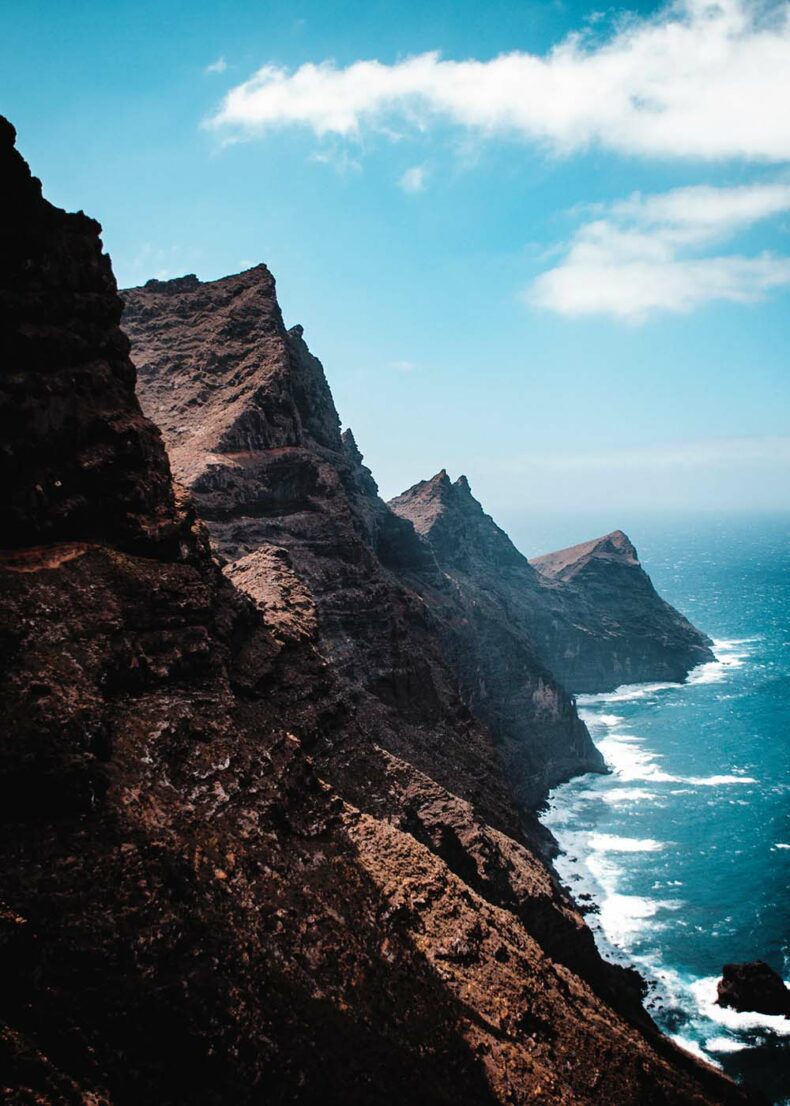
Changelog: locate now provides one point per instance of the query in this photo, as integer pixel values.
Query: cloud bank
(641, 256)
(702, 79)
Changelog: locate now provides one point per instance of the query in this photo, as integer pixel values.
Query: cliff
(591, 611)
(252, 430)
(190, 913)
(631, 635)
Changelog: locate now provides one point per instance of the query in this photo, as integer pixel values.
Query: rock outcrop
(190, 911)
(624, 631)
(753, 987)
(591, 611)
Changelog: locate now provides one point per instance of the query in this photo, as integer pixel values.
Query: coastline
(596, 865)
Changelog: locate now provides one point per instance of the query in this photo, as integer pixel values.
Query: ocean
(683, 851)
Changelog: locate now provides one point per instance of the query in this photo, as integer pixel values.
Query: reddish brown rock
(189, 912)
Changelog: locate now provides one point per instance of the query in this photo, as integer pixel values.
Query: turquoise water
(685, 847)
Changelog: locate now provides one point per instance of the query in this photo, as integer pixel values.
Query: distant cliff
(194, 910)
(591, 611)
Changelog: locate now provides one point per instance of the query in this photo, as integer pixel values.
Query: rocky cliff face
(594, 616)
(631, 635)
(190, 913)
(252, 430)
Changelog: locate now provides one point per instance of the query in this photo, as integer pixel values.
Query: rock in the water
(754, 986)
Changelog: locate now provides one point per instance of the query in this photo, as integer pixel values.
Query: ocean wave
(631, 763)
(628, 795)
(610, 842)
(705, 993)
(624, 916)
(718, 781)
(729, 653)
(625, 693)
(689, 1045)
(725, 1044)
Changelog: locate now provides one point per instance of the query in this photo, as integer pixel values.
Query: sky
(544, 244)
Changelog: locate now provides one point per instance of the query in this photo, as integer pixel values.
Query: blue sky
(564, 272)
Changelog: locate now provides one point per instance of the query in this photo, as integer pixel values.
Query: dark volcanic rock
(630, 634)
(389, 621)
(755, 986)
(190, 914)
(485, 622)
(71, 429)
(591, 612)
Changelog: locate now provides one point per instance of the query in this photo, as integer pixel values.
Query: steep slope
(252, 429)
(591, 611)
(189, 913)
(634, 636)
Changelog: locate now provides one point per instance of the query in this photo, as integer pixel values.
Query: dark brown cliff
(189, 912)
(252, 430)
(591, 611)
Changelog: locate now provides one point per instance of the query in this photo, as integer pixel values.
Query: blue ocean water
(685, 847)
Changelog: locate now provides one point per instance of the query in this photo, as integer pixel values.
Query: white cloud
(403, 366)
(413, 180)
(218, 66)
(639, 258)
(701, 79)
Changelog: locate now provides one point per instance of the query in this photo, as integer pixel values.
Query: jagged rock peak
(448, 514)
(72, 430)
(616, 546)
(220, 373)
(353, 452)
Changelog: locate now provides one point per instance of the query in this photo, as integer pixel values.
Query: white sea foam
(695, 1049)
(630, 762)
(611, 843)
(725, 1044)
(704, 992)
(627, 795)
(596, 863)
(729, 654)
(718, 781)
(625, 693)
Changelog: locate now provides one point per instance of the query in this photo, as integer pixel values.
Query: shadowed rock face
(591, 611)
(754, 986)
(189, 912)
(72, 431)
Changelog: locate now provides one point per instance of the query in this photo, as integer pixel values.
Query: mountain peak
(448, 514)
(615, 546)
(221, 374)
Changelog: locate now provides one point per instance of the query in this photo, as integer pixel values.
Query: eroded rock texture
(594, 616)
(190, 912)
(252, 429)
